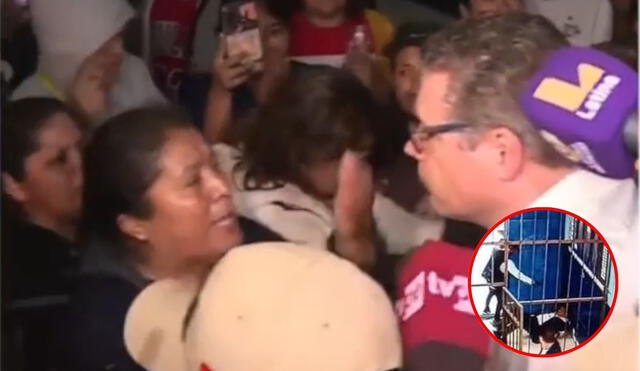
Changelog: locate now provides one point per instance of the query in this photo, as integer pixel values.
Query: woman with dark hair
(306, 169)
(41, 187)
(156, 206)
(237, 86)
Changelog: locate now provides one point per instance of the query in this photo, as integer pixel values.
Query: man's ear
(506, 151)
(13, 188)
(133, 227)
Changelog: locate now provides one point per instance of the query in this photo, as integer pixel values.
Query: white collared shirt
(583, 22)
(611, 206)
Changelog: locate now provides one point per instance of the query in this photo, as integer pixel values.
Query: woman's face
(193, 219)
(52, 186)
(406, 77)
(275, 37)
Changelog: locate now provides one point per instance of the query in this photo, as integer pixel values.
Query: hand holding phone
(229, 72)
(241, 32)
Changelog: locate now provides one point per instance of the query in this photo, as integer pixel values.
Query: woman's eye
(194, 181)
(60, 159)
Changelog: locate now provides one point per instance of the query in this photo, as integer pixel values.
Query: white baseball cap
(267, 307)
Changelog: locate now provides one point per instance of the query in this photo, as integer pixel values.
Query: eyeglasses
(422, 133)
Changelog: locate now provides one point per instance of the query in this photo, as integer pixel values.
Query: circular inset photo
(543, 282)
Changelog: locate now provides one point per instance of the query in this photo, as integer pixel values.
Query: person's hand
(90, 89)
(229, 72)
(353, 211)
(360, 63)
(370, 70)
(353, 204)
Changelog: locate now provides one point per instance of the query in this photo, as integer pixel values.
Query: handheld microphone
(585, 102)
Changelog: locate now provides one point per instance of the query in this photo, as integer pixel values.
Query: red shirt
(173, 26)
(309, 40)
(437, 319)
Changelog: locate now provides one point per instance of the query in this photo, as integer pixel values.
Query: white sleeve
(401, 230)
(135, 87)
(603, 23)
(514, 271)
(297, 226)
(226, 155)
(303, 221)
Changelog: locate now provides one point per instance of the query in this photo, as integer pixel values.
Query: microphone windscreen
(583, 97)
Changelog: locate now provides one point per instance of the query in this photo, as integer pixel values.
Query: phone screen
(240, 30)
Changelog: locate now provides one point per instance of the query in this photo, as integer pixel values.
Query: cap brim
(153, 327)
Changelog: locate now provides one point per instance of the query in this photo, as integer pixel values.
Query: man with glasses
(481, 159)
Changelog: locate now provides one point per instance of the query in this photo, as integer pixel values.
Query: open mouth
(487, 13)
(225, 220)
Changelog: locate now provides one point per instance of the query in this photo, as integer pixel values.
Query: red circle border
(615, 270)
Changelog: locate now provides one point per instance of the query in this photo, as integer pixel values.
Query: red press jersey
(439, 328)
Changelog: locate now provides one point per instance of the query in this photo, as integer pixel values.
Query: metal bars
(580, 276)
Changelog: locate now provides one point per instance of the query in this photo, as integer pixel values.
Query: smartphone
(240, 30)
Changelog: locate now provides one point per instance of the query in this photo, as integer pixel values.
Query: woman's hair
(315, 117)
(281, 9)
(548, 333)
(22, 122)
(462, 233)
(626, 53)
(409, 34)
(121, 165)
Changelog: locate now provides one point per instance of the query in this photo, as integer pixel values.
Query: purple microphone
(583, 101)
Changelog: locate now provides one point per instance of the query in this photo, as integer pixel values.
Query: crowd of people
(396, 158)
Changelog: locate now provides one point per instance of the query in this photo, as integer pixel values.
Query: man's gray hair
(490, 60)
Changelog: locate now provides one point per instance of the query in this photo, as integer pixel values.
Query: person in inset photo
(560, 322)
(494, 272)
(549, 340)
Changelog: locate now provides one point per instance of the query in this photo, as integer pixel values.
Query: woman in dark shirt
(42, 184)
(156, 206)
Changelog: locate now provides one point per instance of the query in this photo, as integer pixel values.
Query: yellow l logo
(568, 95)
